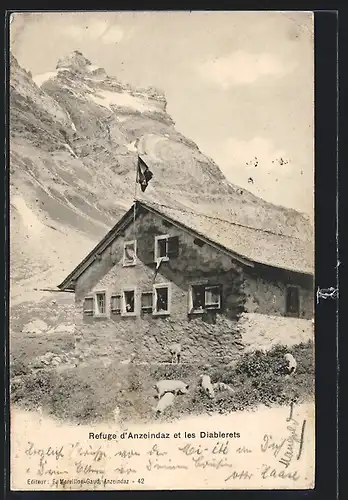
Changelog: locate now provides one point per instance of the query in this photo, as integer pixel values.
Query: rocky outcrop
(52, 360)
(37, 326)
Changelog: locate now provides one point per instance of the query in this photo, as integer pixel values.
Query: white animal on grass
(175, 351)
(207, 385)
(292, 363)
(166, 400)
(174, 386)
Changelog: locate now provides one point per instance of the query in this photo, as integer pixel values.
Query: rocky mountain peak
(75, 61)
(77, 64)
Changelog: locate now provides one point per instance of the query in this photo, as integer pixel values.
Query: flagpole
(135, 195)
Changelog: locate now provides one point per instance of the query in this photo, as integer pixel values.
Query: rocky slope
(74, 138)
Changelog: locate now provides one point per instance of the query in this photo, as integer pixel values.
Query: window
(115, 304)
(197, 294)
(212, 297)
(128, 302)
(166, 247)
(130, 253)
(100, 304)
(292, 301)
(203, 297)
(161, 299)
(162, 244)
(146, 301)
(88, 306)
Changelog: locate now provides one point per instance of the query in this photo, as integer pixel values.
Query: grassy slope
(90, 392)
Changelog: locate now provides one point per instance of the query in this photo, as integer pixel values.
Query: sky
(239, 84)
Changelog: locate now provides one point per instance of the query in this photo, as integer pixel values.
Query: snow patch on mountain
(107, 99)
(40, 79)
(150, 145)
(29, 219)
(44, 77)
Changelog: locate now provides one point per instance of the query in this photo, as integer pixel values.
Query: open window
(88, 306)
(100, 304)
(204, 297)
(292, 306)
(128, 302)
(146, 302)
(166, 247)
(212, 297)
(161, 299)
(115, 304)
(130, 253)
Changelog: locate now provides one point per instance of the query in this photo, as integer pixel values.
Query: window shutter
(115, 304)
(221, 291)
(189, 300)
(146, 249)
(88, 306)
(146, 301)
(173, 246)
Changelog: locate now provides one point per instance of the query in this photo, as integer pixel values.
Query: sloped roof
(257, 245)
(251, 245)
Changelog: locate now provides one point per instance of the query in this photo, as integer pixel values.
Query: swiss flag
(144, 174)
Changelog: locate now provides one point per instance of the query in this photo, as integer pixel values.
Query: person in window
(129, 302)
(198, 298)
(162, 299)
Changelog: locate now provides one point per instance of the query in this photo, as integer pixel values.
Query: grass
(90, 393)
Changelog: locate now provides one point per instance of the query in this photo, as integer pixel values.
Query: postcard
(162, 250)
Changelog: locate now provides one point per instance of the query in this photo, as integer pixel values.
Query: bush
(257, 363)
(18, 367)
(259, 378)
(34, 389)
(91, 392)
(64, 395)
